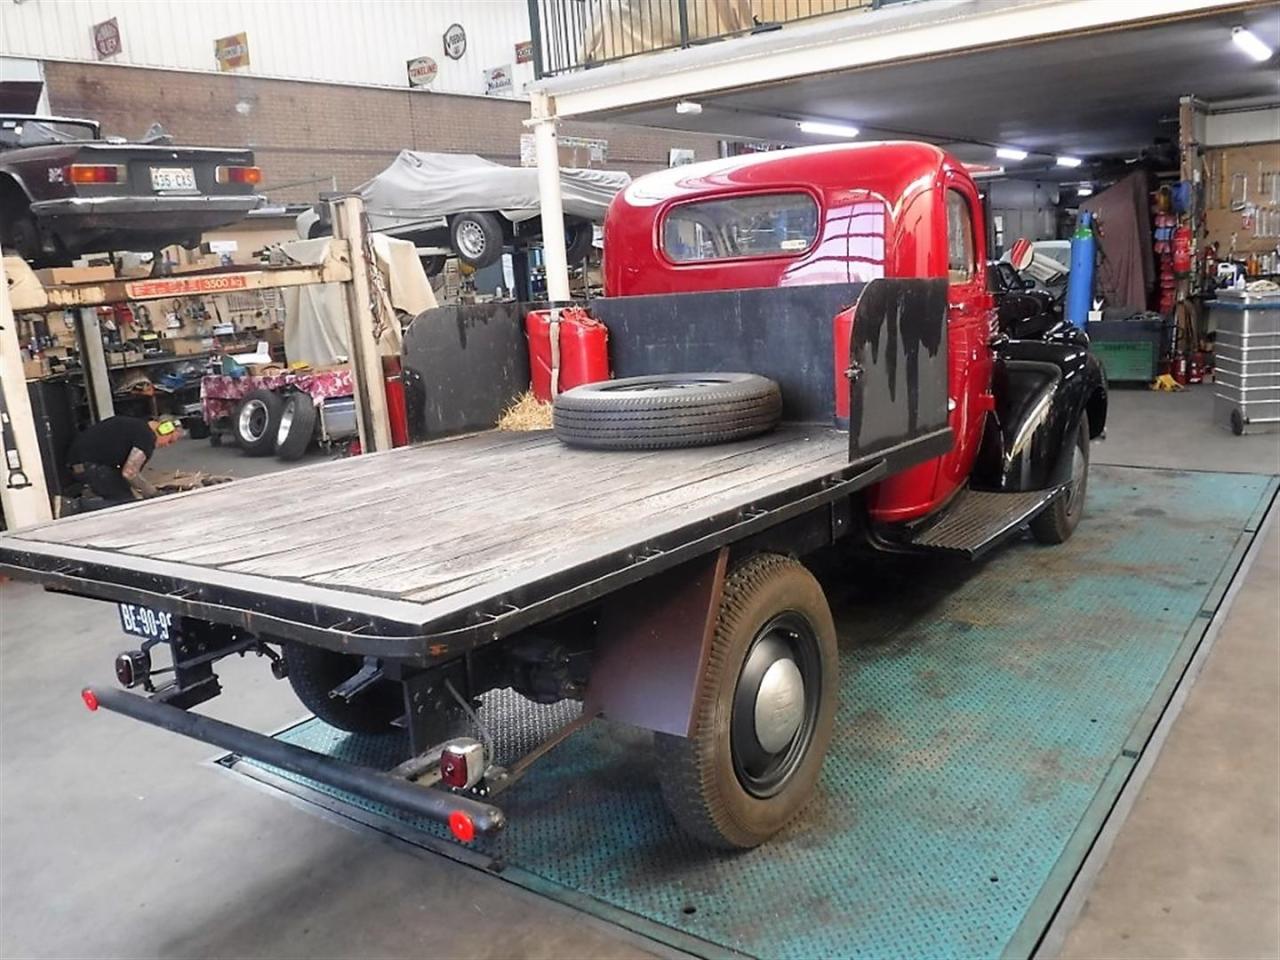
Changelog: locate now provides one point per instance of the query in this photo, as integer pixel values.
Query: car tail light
(462, 763)
(461, 826)
(95, 173)
(90, 698)
(250, 175)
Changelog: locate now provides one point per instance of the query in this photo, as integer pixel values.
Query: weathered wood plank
(557, 488)
(447, 524)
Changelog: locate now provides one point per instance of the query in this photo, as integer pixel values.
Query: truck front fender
(1041, 391)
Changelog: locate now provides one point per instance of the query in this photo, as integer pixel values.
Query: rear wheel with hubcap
(765, 709)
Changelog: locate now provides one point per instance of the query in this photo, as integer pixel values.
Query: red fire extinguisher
(1182, 251)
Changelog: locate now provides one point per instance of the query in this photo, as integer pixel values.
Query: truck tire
(432, 265)
(314, 672)
(670, 410)
(256, 422)
(1056, 523)
(297, 426)
(477, 238)
(764, 713)
(578, 237)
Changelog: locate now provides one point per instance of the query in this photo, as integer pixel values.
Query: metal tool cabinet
(1247, 361)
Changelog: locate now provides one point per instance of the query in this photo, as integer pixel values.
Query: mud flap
(654, 640)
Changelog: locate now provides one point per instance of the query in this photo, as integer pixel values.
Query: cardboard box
(35, 368)
(53, 276)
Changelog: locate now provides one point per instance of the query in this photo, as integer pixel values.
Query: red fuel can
(582, 343)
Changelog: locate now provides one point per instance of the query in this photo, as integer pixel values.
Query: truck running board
(977, 520)
(465, 816)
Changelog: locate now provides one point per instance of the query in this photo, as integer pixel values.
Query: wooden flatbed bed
(424, 551)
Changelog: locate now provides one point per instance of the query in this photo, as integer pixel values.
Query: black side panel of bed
(783, 333)
(463, 365)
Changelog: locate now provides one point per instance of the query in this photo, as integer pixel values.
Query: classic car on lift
(667, 590)
(64, 190)
(462, 205)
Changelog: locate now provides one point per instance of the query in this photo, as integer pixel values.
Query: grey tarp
(419, 186)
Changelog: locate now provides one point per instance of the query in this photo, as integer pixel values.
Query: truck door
(970, 314)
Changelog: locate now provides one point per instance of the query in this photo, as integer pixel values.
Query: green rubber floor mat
(989, 716)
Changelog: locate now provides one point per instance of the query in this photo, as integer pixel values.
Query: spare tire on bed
(667, 410)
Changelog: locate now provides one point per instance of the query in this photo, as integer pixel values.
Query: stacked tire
(267, 422)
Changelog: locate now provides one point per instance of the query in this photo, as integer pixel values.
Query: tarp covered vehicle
(459, 204)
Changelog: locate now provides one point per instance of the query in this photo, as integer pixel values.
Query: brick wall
(300, 131)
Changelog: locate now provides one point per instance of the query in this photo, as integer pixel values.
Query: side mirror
(1021, 254)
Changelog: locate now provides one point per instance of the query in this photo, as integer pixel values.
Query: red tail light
(90, 698)
(249, 175)
(461, 826)
(94, 173)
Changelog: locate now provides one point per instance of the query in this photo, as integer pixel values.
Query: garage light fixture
(688, 107)
(1248, 41)
(827, 129)
(1084, 190)
(1069, 161)
(1011, 153)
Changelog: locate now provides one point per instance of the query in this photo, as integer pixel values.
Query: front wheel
(477, 238)
(1056, 523)
(765, 710)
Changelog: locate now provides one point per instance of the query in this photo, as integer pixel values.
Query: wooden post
(93, 360)
(366, 362)
(27, 504)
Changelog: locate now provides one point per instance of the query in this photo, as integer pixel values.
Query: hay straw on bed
(527, 412)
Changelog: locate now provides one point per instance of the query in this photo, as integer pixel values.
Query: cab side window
(961, 256)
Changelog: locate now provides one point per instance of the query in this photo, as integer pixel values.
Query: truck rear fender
(1041, 390)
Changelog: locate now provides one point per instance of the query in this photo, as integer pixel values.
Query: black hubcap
(786, 639)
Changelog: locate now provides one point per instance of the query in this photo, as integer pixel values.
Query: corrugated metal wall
(336, 41)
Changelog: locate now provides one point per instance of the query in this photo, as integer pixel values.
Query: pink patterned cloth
(219, 394)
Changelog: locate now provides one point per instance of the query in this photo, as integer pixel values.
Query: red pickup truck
(663, 588)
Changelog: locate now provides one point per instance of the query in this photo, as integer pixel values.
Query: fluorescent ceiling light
(1069, 161)
(827, 129)
(1248, 41)
(688, 106)
(1011, 153)
(1084, 190)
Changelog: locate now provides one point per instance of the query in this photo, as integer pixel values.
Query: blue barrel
(1080, 281)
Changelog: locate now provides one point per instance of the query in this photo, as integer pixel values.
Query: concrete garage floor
(116, 841)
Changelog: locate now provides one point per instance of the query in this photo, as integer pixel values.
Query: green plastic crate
(1127, 359)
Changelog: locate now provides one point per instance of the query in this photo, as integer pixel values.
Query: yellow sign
(232, 53)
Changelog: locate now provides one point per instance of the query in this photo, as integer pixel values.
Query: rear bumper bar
(373, 785)
(114, 206)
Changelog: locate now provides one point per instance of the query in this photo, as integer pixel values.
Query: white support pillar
(23, 494)
(543, 122)
(93, 360)
(372, 417)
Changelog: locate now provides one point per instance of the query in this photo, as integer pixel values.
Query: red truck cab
(843, 213)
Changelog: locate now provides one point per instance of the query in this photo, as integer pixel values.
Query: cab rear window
(761, 225)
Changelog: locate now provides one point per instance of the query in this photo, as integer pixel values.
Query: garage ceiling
(1107, 95)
